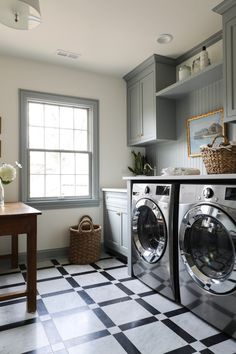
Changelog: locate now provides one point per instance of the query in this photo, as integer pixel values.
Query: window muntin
(60, 148)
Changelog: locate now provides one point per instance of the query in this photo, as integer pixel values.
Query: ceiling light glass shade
(20, 14)
(165, 38)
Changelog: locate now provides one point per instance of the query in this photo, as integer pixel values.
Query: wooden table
(19, 218)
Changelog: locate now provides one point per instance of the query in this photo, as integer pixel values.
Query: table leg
(31, 266)
(14, 251)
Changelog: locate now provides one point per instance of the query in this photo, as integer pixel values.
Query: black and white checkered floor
(99, 309)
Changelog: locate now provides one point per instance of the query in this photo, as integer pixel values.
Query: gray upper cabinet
(228, 10)
(148, 116)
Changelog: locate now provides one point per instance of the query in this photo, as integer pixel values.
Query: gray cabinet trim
(195, 50)
(149, 61)
(224, 6)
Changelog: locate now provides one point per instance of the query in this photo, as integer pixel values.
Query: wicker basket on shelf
(221, 159)
(85, 242)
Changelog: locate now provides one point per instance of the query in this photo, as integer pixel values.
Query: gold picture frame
(202, 129)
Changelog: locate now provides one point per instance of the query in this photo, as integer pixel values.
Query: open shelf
(204, 78)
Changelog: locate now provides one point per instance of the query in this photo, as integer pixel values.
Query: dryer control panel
(224, 195)
(208, 192)
(230, 193)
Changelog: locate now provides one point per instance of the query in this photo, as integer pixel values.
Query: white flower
(8, 172)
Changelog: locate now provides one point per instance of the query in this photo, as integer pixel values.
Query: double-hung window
(59, 150)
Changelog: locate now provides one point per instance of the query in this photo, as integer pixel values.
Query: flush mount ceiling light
(164, 38)
(20, 14)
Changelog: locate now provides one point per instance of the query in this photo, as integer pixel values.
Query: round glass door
(149, 231)
(207, 247)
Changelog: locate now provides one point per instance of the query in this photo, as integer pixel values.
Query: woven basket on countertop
(220, 159)
(85, 242)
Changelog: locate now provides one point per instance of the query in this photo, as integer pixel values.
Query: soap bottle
(204, 60)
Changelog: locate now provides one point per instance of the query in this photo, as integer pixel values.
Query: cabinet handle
(141, 126)
(118, 213)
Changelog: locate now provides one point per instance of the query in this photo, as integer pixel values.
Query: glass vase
(1, 194)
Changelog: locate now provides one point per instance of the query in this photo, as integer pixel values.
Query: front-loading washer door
(207, 243)
(149, 231)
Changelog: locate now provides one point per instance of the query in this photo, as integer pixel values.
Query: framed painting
(202, 129)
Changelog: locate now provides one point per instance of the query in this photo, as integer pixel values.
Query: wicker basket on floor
(220, 159)
(85, 242)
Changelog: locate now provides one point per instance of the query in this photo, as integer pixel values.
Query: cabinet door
(133, 103)
(148, 108)
(230, 69)
(112, 234)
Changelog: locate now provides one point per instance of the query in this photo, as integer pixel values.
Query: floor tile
(90, 279)
(161, 303)
(194, 325)
(154, 338)
(63, 302)
(58, 346)
(76, 268)
(9, 279)
(99, 346)
(84, 309)
(78, 324)
(105, 293)
(225, 347)
(198, 346)
(48, 273)
(23, 339)
(15, 313)
(136, 286)
(12, 288)
(119, 273)
(126, 312)
(107, 263)
(51, 286)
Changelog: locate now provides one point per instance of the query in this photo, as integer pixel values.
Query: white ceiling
(112, 36)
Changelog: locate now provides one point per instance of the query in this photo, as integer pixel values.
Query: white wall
(114, 154)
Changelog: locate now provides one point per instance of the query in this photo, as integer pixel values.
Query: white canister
(184, 72)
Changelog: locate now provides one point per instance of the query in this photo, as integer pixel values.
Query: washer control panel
(151, 191)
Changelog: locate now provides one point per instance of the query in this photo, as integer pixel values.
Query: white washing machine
(207, 253)
(153, 240)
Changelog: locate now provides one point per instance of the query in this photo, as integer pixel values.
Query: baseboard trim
(42, 255)
(52, 253)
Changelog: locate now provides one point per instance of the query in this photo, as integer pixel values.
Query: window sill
(63, 204)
